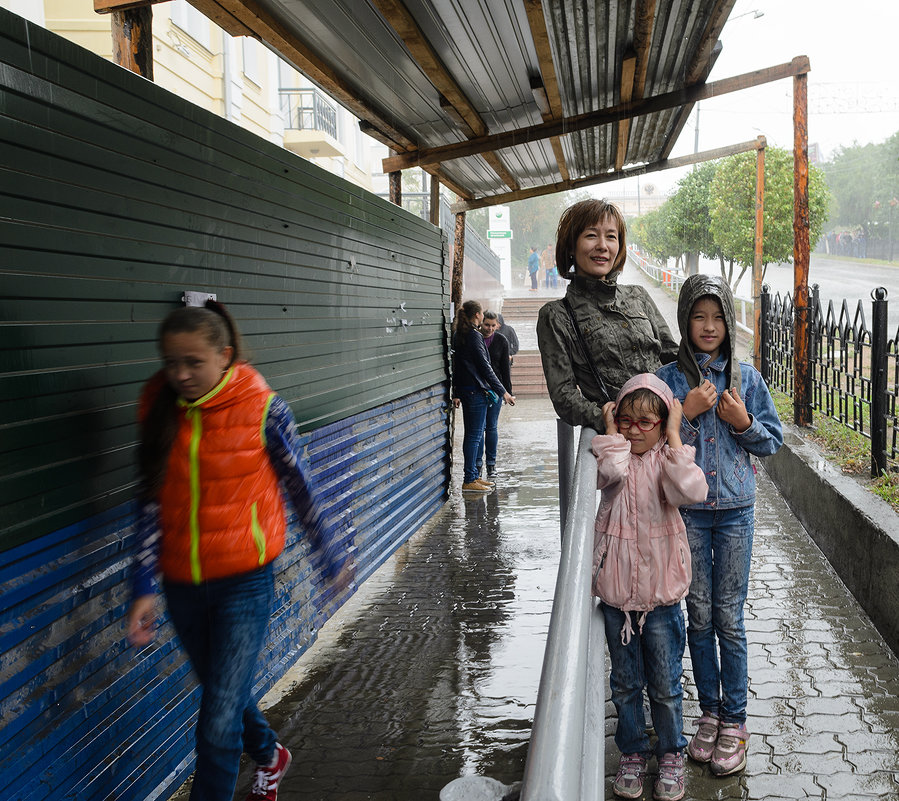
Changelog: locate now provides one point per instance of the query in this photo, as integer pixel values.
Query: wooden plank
(592, 119)
(802, 374)
(628, 70)
(617, 175)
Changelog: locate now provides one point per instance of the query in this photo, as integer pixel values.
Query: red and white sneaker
(268, 777)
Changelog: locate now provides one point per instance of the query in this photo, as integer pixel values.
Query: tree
(534, 221)
(689, 218)
(863, 179)
(732, 208)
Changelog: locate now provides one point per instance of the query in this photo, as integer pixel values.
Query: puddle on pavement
(434, 674)
(431, 670)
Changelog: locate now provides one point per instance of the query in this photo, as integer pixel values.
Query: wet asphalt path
(431, 671)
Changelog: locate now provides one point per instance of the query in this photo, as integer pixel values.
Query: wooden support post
(458, 261)
(132, 39)
(395, 184)
(435, 201)
(802, 406)
(757, 257)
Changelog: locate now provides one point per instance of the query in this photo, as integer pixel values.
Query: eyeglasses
(627, 423)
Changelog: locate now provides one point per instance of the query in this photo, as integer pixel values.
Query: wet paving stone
(431, 671)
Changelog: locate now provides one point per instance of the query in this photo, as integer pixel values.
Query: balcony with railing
(310, 123)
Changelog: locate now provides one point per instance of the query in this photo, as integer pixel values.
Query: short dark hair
(490, 315)
(575, 220)
(646, 398)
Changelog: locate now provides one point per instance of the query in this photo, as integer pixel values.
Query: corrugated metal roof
(425, 74)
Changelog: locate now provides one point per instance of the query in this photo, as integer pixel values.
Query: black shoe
(491, 471)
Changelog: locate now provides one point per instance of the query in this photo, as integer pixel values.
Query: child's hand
(699, 399)
(672, 427)
(731, 409)
(608, 415)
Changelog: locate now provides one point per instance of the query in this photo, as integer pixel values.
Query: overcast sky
(853, 49)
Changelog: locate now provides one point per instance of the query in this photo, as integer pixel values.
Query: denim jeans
(222, 625)
(491, 436)
(653, 659)
(474, 416)
(721, 547)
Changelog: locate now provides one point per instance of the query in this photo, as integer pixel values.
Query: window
(192, 22)
(251, 60)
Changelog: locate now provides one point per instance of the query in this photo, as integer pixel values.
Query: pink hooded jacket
(641, 556)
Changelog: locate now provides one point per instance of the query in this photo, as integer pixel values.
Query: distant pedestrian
(547, 262)
(509, 333)
(602, 332)
(475, 385)
(729, 416)
(641, 567)
(217, 447)
(533, 267)
(501, 362)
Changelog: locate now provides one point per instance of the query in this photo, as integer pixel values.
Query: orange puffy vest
(220, 505)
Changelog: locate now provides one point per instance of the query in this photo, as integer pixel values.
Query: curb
(857, 531)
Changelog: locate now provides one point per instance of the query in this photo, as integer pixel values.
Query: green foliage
(732, 206)
(689, 220)
(863, 180)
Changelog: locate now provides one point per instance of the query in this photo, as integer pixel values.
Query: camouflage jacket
(625, 335)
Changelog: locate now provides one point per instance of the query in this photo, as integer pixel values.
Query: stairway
(527, 370)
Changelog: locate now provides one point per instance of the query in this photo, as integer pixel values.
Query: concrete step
(522, 308)
(527, 375)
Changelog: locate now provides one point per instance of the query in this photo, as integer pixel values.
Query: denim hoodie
(724, 455)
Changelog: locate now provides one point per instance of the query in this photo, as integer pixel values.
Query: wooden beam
(628, 70)
(757, 267)
(434, 205)
(592, 119)
(543, 49)
(254, 18)
(132, 40)
(458, 261)
(606, 177)
(802, 385)
(463, 192)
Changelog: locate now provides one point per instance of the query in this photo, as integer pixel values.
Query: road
(838, 279)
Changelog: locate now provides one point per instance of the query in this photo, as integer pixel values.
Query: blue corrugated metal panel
(66, 673)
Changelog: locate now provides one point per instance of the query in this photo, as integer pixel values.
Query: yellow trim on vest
(195, 418)
(258, 536)
(268, 403)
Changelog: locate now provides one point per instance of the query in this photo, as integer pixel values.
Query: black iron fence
(853, 368)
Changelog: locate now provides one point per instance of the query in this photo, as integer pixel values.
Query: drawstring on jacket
(627, 630)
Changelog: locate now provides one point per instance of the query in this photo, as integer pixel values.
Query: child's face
(596, 249)
(627, 417)
(489, 326)
(708, 330)
(193, 366)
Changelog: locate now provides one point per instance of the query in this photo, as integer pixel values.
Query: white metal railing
(674, 279)
(566, 756)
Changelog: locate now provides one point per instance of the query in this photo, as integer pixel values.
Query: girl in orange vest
(216, 446)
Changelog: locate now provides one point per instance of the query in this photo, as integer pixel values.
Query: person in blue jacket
(475, 385)
(729, 417)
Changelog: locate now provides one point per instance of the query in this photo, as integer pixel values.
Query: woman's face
(596, 249)
(193, 366)
(477, 319)
(488, 327)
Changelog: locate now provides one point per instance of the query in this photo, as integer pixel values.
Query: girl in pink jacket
(641, 573)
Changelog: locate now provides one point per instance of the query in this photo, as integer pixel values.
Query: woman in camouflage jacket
(623, 330)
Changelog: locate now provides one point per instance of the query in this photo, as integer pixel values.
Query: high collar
(602, 289)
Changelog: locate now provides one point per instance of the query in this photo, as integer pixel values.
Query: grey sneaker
(629, 779)
(702, 745)
(669, 786)
(730, 750)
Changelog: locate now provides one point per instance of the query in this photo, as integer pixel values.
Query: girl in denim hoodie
(728, 416)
